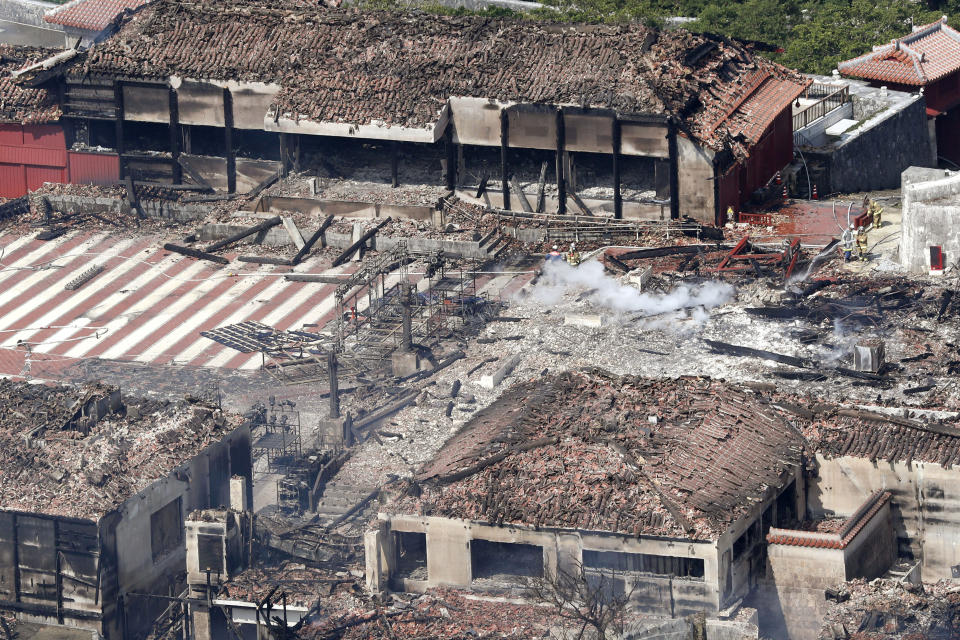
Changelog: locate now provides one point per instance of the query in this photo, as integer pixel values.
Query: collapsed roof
(682, 458)
(20, 104)
(58, 458)
(357, 67)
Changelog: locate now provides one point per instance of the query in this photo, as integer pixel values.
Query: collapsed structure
(94, 494)
(698, 121)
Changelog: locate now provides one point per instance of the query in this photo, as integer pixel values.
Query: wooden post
(228, 141)
(674, 170)
(504, 160)
(394, 165)
(284, 154)
(617, 197)
(175, 136)
(296, 153)
(118, 123)
(59, 570)
(451, 157)
(561, 144)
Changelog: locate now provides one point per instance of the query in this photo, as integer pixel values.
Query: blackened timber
(228, 141)
(521, 196)
(674, 171)
(313, 240)
(394, 165)
(175, 135)
(659, 252)
(349, 251)
(617, 196)
(561, 144)
(737, 350)
(257, 190)
(505, 157)
(451, 154)
(132, 198)
(193, 173)
(334, 386)
(118, 124)
(580, 203)
(257, 228)
(541, 185)
(195, 253)
(316, 277)
(284, 154)
(283, 262)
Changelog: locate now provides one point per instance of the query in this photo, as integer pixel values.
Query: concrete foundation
(405, 363)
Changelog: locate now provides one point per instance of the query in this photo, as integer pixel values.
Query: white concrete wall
(931, 216)
(925, 504)
(695, 173)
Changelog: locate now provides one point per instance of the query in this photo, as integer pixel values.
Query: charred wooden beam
(195, 253)
(174, 108)
(541, 185)
(193, 173)
(580, 204)
(737, 350)
(316, 277)
(394, 165)
(228, 141)
(521, 196)
(561, 145)
(240, 235)
(451, 155)
(615, 152)
(505, 157)
(283, 262)
(131, 198)
(264, 184)
(308, 245)
(349, 251)
(674, 170)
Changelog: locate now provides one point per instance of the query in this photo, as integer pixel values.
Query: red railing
(755, 218)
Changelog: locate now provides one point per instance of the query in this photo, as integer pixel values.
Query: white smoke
(559, 278)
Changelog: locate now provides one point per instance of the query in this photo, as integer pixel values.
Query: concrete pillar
(504, 157)
(561, 182)
(379, 556)
(238, 494)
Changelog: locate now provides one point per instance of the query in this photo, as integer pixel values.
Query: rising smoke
(559, 278)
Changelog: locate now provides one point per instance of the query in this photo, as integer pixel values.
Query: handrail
(823, 106)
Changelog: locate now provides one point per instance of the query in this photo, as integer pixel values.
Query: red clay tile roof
(853, 526)
(24, 105)
(928, 54)
(579, 451)
(92, 15)
(758, 110)
(352, 66)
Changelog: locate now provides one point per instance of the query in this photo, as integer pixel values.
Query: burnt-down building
(93, 497)
(669, 485)
(642, 123)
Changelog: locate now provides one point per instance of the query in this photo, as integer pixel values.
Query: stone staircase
(343, 502)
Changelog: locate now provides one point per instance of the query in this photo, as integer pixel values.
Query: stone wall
(28, 12)
(931, 216)
(874, 157)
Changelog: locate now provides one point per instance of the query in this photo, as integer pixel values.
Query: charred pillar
(175, 135)
(451, 154)
(334, 386)
(406, 361)
(617, 196)
(284, 155)
(394, 165)
(228, 141)
(561, 145)
(118, 125)
(674, 170)
(504, 157)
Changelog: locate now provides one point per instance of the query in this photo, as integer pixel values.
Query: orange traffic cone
(785, 193)
(815, 193)
(779, 179)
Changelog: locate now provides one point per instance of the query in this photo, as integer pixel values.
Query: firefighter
(876, 211)
(554, 254)
(862, 244)
(573, 256)
(846, 243)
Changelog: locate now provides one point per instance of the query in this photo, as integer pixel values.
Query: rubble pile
(892, 610)
(53, 463)
(440, 614)
(398, 69)
(303, 585)
(24, 105)
(614, 454)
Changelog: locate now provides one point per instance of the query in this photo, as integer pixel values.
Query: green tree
(767, 21)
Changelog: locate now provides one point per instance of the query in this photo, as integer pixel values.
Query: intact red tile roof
(928, 54)
(24, 105)
(359, 66)
(92, 15)
(853, 526)
(580, 451)
(757, 112)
